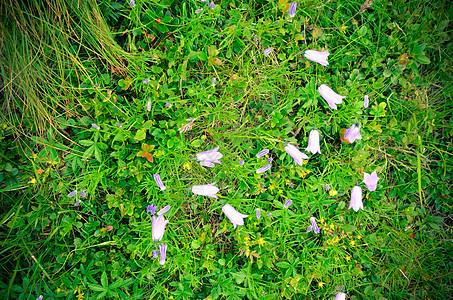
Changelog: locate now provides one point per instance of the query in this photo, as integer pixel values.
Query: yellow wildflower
(333, 193)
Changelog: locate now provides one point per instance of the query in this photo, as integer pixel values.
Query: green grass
(68, 64)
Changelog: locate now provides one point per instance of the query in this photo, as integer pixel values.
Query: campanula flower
(95, 126)
(168, 105)
(39, 298)
(118, 124)
(270, 159)
(155, 253)
(309, 228)
(72, 194)
(159, 182)
(292, 10)
(330, 96)
(77, 203)
(163, 253)
(209, 157)
(296, 154)
(212, 5)
(83, 193)
(241, 162)
(313, 142)
(267, 51)
(366, 101)
(340, 296)
(262, 153)
(208, 190)
(132, 3)
(213, 81)
(258, 213)
(158, 228)
(148, 106)
(356, 199)
(353, 133)
(198, 11)
(235, 217)
(163, 210)
(371, 181)
(327, 187)
(314, 225)
(145, 81)
(263, 169)
(319, 57)
(269, 215)
(288, 203)
(151, 209)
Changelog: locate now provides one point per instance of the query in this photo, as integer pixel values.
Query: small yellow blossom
(359, 237)
(33, 181)
(186, 166)
(348, 258)
(280, 192)
(352, 243)
(272, 187)
(261, 241)
(80, 296)
(332, 226)
(343, 28)
(333, 193)
(320, 284)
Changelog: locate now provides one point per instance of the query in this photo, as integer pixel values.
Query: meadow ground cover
(226, 150)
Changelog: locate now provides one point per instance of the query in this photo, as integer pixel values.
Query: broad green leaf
(140, 135)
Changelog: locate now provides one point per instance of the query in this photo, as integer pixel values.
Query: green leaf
(349, 228)
(202, 56)
(283, 264)
(418, 48)
(104, 280)
(422, 59)
(87, 154)
(86, 142)
(96, 287)
(140, 135)
(363, 30)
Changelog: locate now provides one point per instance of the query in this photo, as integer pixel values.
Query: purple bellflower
(163, 253)
(148, 106)
(314, 225)
(366, 101)
(208, 190)
(212, 5)
(267, 51)
(151, 209)
(356, 199)
(258, 213)
(353, 133)
(262, 153)
(213, 81)
(235, 217)
(163, 210)
(327, 187)
(72, 194)
(95, 126)
(145, 81)
(155, 253)
(313, 142)
(83, 193)
(330, 96)
(371, 181)
(319, 57)
(263, 169)
(209, 157)
(158, 228)
(198, 11)
(132, 3)
(340, 296)
(241, 162)
(292, 10)
(288, 203)
(159, 182)
(296, 154)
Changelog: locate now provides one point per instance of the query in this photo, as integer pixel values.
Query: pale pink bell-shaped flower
(356, 199)
(209, 157)
(313, 142)
(148, 106)
(258, 213)
(314, 225)
(263, 169)
(267, 51)
(340, 296)
(330, 96)
(292, 9)
(159, 182)
(353, 133)
(366, 101)
(163, 253)
(318, 56)
(235, 217)
(164, 210)
(371, 181)
(296, 154)
(208, 190)
(158, 228)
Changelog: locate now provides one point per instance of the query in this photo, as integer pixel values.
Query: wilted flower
(198, 11)
(118, 124)
(95, 126)
(132, 3)
(340, 296)
(212, 5)
(163, 253)
(313, 142)
(327, 187)
(371, 181)
(319, 57)
(155, 253)
(151, 209)
(296, 154)
(208, 190)
(159, 182)
(83, 193)
(258, 213)
(292, 9)
(241, 162)
(366, 101)
(330, 96)
(356, 199)
(209, 157)
(235, 217)
(213, 81)
(263, 169)
(288, 203)
(267, 51)
(148, 106)
(163, 210)
(145, 81)
(262, 153)
(72, 194)
(353, 133)
(158, 228)
(314, 225)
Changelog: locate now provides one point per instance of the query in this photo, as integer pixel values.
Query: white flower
(318, 56)
(330, 96)
(208, 190)
(371, 181)
(340, 296)
(209, 157)
(235, 217)
(356, 199)
(366, 101)
(313, 142)
(296, 154)
(158, 228)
